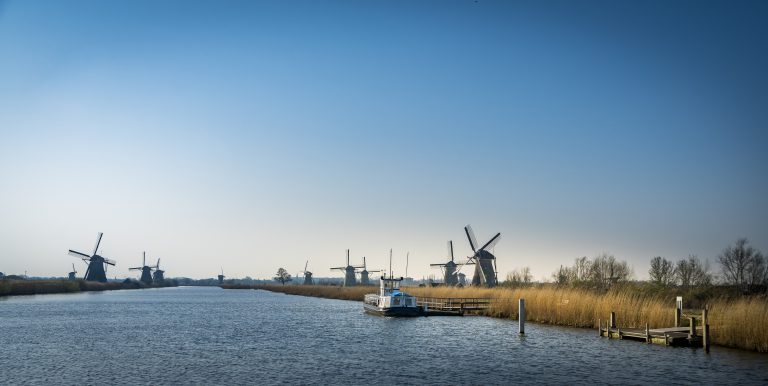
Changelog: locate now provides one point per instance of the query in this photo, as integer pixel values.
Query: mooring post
(647, 334)
(678, 310)
(705, 328)
(613, 320)
(599, 328)
(692, 327)
(521, 315)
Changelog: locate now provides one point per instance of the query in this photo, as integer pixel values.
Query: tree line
(742, 267)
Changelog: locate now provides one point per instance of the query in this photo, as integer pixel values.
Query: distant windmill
(96, 264)
(221, 277)
(146, 271)
(449, 268)
(72, 275)
(364, 280)
(307, 275)
(349, 273)
(484, 261)
(159, 276)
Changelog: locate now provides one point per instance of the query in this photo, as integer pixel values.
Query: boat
(390, 301)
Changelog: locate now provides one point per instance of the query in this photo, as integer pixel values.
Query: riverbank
(734, 322)
(39, 287)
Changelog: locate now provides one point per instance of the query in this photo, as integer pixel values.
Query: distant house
(2, 275)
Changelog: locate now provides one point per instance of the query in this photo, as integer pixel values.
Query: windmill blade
(450, 249)
(98, 241)
(305, 266)
(135, 268)
(157, 266)
(437, 265)
(471, 237)
(491, 242)
(143, 258)
(110, 262)
(460, 266)
(347, 256)
(79, 254)
(341, 268)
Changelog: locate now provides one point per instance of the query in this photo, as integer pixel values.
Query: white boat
(390, 301)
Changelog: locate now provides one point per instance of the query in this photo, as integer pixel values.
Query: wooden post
(599, 328)
(692, 327)
(613, 320)
(705, 328)
(678, 310)
(647, 334)
(521, 315)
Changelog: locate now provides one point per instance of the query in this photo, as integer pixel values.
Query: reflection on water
(214, 336)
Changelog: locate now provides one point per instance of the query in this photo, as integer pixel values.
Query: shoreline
(735, 323)
(12, 287)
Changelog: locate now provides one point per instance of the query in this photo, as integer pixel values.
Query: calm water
(214, 336)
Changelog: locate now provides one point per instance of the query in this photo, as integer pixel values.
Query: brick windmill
(307, 275)
(97, 265)
(364, 280)
(159, 275)
(450, 277)
(146, 271)
(484, 261)
(349, 273)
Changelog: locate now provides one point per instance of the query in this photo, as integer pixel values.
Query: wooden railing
(454, 304)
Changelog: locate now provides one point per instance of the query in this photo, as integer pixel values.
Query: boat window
(396, 300)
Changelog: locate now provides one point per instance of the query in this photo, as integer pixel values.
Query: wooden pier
(696, 334)
(452, 306)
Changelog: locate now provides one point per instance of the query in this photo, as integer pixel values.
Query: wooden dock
(452, 306)
(693, 335)
(670, 336)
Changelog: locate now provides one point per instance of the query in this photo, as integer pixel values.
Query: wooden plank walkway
(668, 336)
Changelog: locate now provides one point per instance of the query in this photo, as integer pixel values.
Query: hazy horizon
(258, 135)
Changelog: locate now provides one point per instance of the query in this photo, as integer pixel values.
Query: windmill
(484, 261)
(349, 273)
(221, 277)
(449, 269)
(146, 271)
(307, 275)
(158, 277)
(97, 265)
(364, 274)
(73, 273)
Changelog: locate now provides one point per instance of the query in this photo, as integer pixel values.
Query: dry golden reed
(740, 323)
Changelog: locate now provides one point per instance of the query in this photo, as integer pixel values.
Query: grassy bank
(740, 322)
(37, 287)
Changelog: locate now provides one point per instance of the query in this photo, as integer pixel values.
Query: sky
(253, 135)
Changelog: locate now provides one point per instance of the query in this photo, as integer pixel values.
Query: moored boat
(390, 301)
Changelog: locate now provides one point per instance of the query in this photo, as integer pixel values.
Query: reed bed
(37, 287)
(739, 323)
(318, 291)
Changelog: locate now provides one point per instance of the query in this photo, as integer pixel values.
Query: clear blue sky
(253, 135)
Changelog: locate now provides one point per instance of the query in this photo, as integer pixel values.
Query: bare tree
(662, 271)
(606, 271)
(692, 272)
(562, 276)
(282, 276)
(519, 277)
(743, 266)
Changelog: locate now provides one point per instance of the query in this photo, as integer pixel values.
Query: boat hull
(393, 311)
